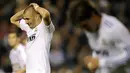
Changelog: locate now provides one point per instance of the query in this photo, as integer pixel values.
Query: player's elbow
(45, 13)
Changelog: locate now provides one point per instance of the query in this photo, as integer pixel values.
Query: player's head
(84, 14)
(13, 39)
(30, 16)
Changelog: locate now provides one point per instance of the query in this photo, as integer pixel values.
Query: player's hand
(35, 5)
(91, 63)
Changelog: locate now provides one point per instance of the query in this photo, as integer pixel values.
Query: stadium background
(69, 44)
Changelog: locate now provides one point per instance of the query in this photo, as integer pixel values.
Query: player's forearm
(15, 18)
(45, 14)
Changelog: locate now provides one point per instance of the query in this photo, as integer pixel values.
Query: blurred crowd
(69, 44)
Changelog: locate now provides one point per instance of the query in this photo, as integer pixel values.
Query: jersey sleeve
(24, 26)
(121, 40)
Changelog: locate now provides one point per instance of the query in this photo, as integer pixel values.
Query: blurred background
(69, 44)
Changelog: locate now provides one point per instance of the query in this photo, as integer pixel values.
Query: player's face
(29, 18)
(89, 25)
(12, 39)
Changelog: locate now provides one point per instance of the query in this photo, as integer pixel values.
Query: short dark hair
(81, 10)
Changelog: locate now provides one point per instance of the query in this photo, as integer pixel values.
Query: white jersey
(112, 42)
(38, 47)
(18, 58)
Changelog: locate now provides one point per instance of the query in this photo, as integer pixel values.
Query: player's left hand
(35, 5)
(91, 63)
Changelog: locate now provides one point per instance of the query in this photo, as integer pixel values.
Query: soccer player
(107, 36)
(17, 54)
(36, 21)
